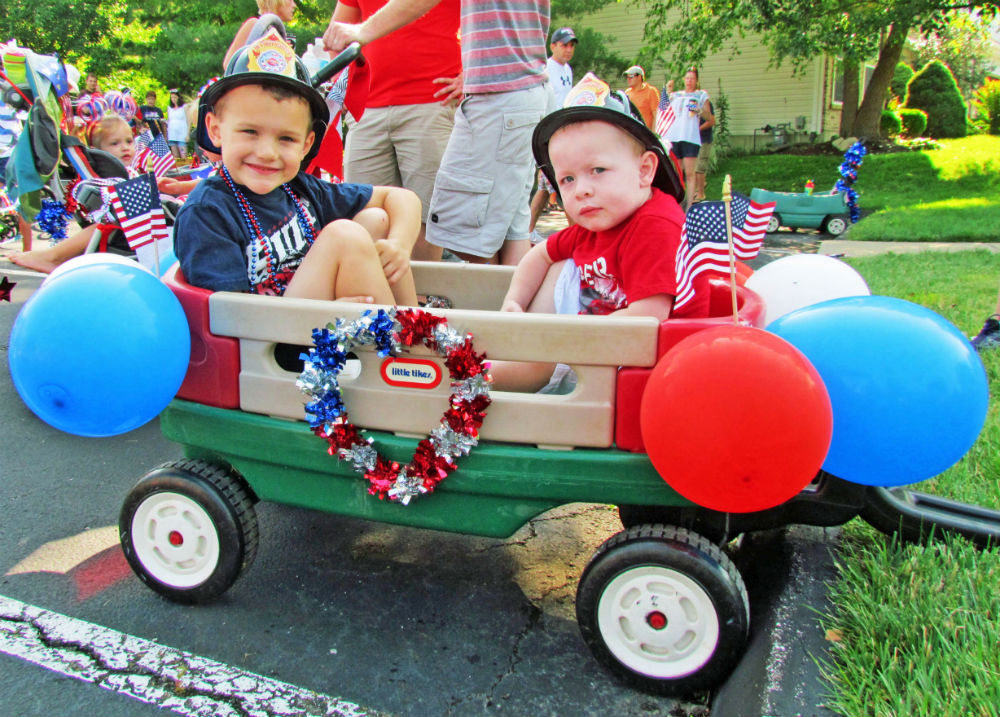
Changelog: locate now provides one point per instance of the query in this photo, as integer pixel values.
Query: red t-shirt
(631, 261)
(405, 62)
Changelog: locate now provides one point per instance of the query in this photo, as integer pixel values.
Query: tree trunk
(866, 123)
(849, 103)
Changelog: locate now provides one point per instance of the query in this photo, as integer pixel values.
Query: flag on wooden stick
(136, 204)
(704, 246)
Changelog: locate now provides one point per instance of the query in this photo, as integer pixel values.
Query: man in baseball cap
(643, 95)
(565, 35)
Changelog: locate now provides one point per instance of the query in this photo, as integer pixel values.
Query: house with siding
(802, 105)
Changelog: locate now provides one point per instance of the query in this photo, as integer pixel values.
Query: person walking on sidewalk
(563, 46)
(642, 94)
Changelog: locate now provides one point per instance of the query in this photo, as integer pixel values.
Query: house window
(837, 95)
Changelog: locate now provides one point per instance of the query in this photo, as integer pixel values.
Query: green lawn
(916, 628)
(948, 194)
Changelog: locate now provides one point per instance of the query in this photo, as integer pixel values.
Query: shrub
(900, 78)
(935, 91)
(914, 122)
(987, 102)
(889, 125)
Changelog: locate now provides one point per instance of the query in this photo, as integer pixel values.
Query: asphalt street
(398, 621)
(388, 620)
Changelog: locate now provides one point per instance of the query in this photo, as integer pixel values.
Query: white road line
(153, 673)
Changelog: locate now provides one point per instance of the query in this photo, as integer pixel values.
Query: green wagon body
(499, 488)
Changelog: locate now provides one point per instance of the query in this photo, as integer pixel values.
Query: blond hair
(99, 129)
(268, 6)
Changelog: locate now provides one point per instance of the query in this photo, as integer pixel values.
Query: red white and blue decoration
(849, 175)
(53, 218)
(390, 331)
(704, 243)
(136, 203)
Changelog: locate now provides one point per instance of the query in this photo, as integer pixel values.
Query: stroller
(52, 175)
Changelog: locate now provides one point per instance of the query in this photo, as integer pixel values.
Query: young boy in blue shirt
(265, 226)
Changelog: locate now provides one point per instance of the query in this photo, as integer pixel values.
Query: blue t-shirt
(217, 250)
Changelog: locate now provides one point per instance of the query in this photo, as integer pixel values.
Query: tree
(963, 44)
(900, 78)
(934, 90)
(67, 27)
(799, 30)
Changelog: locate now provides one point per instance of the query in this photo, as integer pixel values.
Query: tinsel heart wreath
(458, 431)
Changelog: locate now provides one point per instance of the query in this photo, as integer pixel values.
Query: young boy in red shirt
(620, 186)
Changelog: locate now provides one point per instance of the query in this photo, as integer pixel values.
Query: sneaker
(989, 337)
(536, 237)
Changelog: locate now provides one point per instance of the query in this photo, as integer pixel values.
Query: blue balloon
(909, 393)
(100, 351)
(167, 260)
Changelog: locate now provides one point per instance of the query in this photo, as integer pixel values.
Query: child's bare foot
(37, 260)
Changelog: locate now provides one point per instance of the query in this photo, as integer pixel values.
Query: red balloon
(736, 419)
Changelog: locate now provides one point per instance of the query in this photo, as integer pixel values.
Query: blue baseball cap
(564, 35)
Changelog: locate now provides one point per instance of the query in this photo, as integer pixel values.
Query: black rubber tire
(692, 567)
(836, 225)
(231, 520)
(633, 515)
(774, 223)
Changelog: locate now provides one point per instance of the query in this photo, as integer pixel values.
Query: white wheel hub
(658, 622)
(175, 539)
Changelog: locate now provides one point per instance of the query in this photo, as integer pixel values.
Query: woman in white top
(690, 110)
(177, 125)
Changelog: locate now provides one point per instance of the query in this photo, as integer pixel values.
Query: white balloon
(89, 260)
(794, 282)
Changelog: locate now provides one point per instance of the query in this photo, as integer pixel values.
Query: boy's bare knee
(375, 220)
(344, 236)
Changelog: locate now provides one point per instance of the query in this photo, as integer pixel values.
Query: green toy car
(826, 211)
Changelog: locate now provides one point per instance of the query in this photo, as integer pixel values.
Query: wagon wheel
(634, 515)
(663, 609)
(773, 223)
(836, 225)
(188, 529)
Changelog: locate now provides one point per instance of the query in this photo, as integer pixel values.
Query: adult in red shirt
(416, 81)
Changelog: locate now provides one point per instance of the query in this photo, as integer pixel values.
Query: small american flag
(153, 154)
(136, 203)
(664, 114)
(704, 246)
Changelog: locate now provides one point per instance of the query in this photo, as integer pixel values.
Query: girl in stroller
(110, 134)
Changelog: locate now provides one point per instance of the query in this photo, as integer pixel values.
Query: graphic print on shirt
(286, 244)
(600, 292)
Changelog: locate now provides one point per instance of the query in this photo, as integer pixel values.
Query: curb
(787, 572)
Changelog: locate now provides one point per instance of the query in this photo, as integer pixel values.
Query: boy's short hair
(593, 100)
(270, 63)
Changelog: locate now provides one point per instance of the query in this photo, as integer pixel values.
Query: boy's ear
(648, 163)
(212, 127)
(310, 138)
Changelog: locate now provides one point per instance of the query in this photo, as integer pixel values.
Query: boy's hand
(511, 305)
(395, 259)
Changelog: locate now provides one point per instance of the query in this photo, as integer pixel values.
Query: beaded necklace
(253, 225)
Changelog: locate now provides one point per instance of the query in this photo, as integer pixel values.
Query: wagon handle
(727, 200)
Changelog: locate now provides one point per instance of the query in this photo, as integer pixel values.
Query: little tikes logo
(411, 373)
